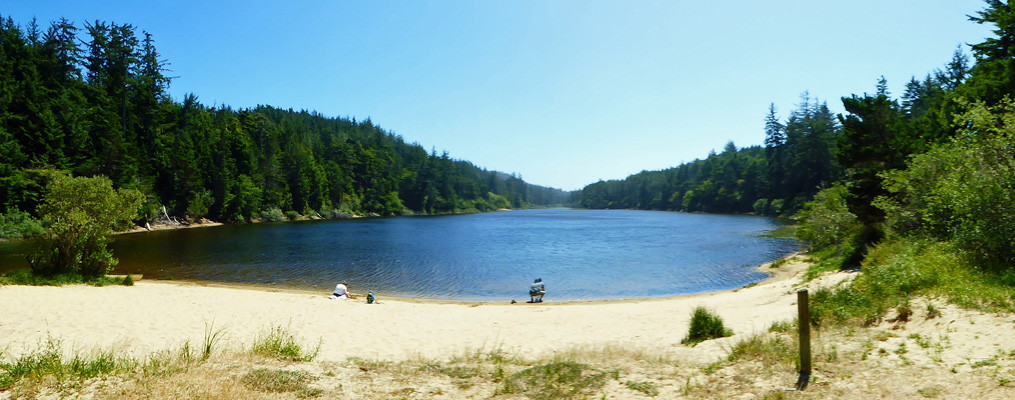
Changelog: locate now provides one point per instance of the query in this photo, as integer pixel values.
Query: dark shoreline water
(580, 254)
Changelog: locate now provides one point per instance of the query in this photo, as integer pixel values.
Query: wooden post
(804, 325)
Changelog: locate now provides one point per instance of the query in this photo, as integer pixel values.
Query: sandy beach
(955, 354)
(158, 315)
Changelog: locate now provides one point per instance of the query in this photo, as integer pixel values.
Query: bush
(826, 220)
(272, 215)
(705, 325)
(776, 206)
(961, 191)
(84, 211)
(17, 224)
(199, 203)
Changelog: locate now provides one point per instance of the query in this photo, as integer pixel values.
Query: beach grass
(895, 273)
(762, 364)
(705, 325)
(279, 342)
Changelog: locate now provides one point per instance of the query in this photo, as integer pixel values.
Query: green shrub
(17, 224)
(826, 220)
(775, 207)
(199, 203)
(961, 192)
(272, 215)
(705, 325)
(85, 212)
(292, 215)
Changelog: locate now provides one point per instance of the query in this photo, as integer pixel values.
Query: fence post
(804, 327)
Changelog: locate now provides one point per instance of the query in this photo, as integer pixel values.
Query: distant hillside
(94, 100)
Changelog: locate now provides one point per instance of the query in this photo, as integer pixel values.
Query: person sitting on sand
(341, 292)
(536, 291)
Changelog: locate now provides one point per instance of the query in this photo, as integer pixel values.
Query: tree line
(812, 149)
(799, 157)
(94, 101)
(928, 168)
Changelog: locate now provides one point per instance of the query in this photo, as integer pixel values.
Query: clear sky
(562, 92)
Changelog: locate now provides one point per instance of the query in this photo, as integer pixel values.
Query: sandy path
(154, 316)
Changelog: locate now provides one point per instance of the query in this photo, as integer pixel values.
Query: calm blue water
(579, 254)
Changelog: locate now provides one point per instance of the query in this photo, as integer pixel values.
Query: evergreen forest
(917, 189)
(93, 100)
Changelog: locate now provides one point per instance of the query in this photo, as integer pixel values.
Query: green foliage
(28, 277)
(705, 325)
(798, 158)
(896, 271)
(279, 343)
(49, 362)
(826, 220)
(200, 203)
(95, 101)
(17, 224)
(83, 212)
(273, 215)
(962, 191)
(556, 380)
(873, 139)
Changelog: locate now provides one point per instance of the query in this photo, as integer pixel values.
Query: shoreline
(774, 275)
(159, 315)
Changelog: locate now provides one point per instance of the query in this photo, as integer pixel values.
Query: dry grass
(885, 361)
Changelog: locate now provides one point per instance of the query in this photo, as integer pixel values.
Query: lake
(579, 254)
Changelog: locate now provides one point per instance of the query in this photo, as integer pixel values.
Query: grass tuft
(705, 325)
(770, 349)
(279, 343)
(211, 339)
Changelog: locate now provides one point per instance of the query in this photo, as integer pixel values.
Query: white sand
(153, 316)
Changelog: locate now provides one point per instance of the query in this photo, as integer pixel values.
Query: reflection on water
(580, 254)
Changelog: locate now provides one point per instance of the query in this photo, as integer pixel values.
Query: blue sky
(564, 93)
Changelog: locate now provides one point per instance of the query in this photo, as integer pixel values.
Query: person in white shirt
(341, 292)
